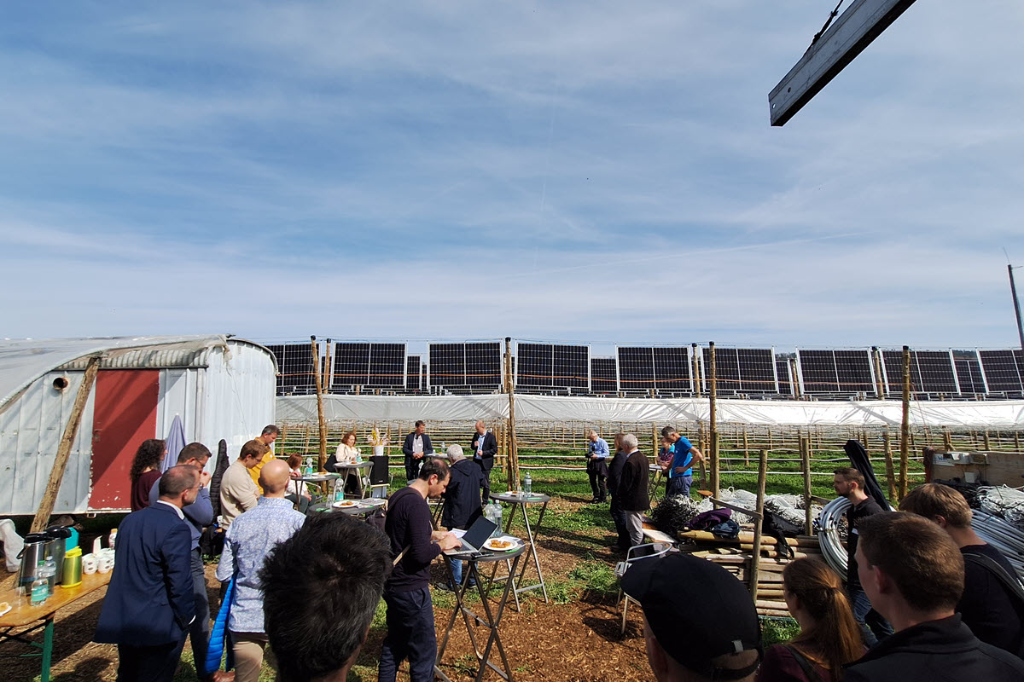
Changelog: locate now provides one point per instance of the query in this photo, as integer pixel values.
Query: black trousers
(199, 631)
(148, 663)
(597, 470)
(487, 479)
(410, 619)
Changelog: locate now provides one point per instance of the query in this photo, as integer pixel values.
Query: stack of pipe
(1003, 536)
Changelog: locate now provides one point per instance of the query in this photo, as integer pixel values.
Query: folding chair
(379, 480)
(634, 554)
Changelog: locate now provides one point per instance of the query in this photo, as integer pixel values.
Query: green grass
(776, 630)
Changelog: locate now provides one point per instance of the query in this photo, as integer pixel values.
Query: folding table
(521, 501)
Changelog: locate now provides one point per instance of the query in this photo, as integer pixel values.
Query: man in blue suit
(149, 604)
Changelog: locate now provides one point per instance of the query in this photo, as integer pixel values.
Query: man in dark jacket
(149, 604)
(850, 483)
(416, 446)
(614, 474)
(198, 515)
(913, 573)
(631, 490)
(484, 446)
(461, 498)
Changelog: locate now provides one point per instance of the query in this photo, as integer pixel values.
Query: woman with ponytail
(829, 636)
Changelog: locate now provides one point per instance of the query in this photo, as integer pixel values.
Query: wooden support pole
(905, 428)
(988, 443)
(796, 377)
(947, 440)
(755, 558)
(64, 447)
(890, 473)
(876, 356)
(746, 448)
(513, 447)
(805, 456)
(315, 349)
(655, 440)
(327, 367)
(696, 370)
(713, 421)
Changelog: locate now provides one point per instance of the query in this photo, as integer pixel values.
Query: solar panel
(570, 367)
(930, 372)
(412, 373)
(466, 366)
(602, 375)
(837, 372)
(447, 364)
(968, 372)
(672, 368)
(636, 368)
(1002, 370)
(742, 370)
(369, 365)
(534, 365)
(547, 366)
(483, 365)
(295, 368)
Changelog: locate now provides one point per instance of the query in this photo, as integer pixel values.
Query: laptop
(474, 538)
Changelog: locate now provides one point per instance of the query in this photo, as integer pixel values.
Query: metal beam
(853, 31)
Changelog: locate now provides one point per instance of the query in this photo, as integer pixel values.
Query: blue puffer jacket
(217, 637)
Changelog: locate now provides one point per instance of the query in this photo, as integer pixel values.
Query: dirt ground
(575, 641)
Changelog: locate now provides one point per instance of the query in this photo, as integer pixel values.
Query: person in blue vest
(680, 471)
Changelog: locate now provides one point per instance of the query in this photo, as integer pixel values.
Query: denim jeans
(872, 626)
(679, 485)
(410, 619)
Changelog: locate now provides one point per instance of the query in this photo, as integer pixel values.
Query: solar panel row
(638, 369)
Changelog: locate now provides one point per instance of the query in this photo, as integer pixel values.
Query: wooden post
(513, 447)
(755, 558)
(319, 403)
(805, 456)
(64, 447)
(655, 441)
(327, 367)
(696, 370)
(746, 448)
(988, 443)
(796, 378)
(1016, 441)
(905, 428)
(947, 440)
(713, 421)
(890, 475)
(876, 356)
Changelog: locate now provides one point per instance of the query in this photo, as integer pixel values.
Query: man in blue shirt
(680, 471)
(597, 466)
(249, 540)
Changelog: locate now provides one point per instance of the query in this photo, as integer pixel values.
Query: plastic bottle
(528, 484)
(48, 572)
(339, 490)
(40, 588)
(309, 466)
(112, 540)
(497, 520)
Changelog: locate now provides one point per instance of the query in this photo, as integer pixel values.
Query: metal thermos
(56, 547)
(31, 556)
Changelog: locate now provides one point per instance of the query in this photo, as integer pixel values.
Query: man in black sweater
(410, 614)
(462, 503)
(913, 573)
(849, 483)
(631, 490)
(989, 606)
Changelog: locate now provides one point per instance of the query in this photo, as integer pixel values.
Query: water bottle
(40, 588)
(497, 520)
(339, 490)
(528, 484)
(309, 466)
(112, 540)
(48, 572)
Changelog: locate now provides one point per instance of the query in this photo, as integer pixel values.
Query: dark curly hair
(149, 454)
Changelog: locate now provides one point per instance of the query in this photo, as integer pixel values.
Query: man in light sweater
(237, 491)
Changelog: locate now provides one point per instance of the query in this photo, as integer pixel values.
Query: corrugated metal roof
(159, 357)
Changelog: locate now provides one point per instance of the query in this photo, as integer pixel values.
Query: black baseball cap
(697, 610)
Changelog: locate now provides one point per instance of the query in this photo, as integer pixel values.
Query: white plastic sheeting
(992, 414)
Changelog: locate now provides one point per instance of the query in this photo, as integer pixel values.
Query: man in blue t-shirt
(680, 471)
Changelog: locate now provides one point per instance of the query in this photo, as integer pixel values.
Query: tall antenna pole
(1016, 306)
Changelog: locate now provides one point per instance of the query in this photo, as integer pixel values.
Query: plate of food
(505, 543)
(345, 504)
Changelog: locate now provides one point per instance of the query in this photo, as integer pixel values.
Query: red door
(124, 415)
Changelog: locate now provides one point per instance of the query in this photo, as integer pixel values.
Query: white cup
(89, 564)
(104, 565)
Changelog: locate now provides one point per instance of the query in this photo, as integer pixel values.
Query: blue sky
(597, 172)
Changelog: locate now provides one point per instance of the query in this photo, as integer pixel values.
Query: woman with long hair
(146, 470)
(347, 453)
(829, 636)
